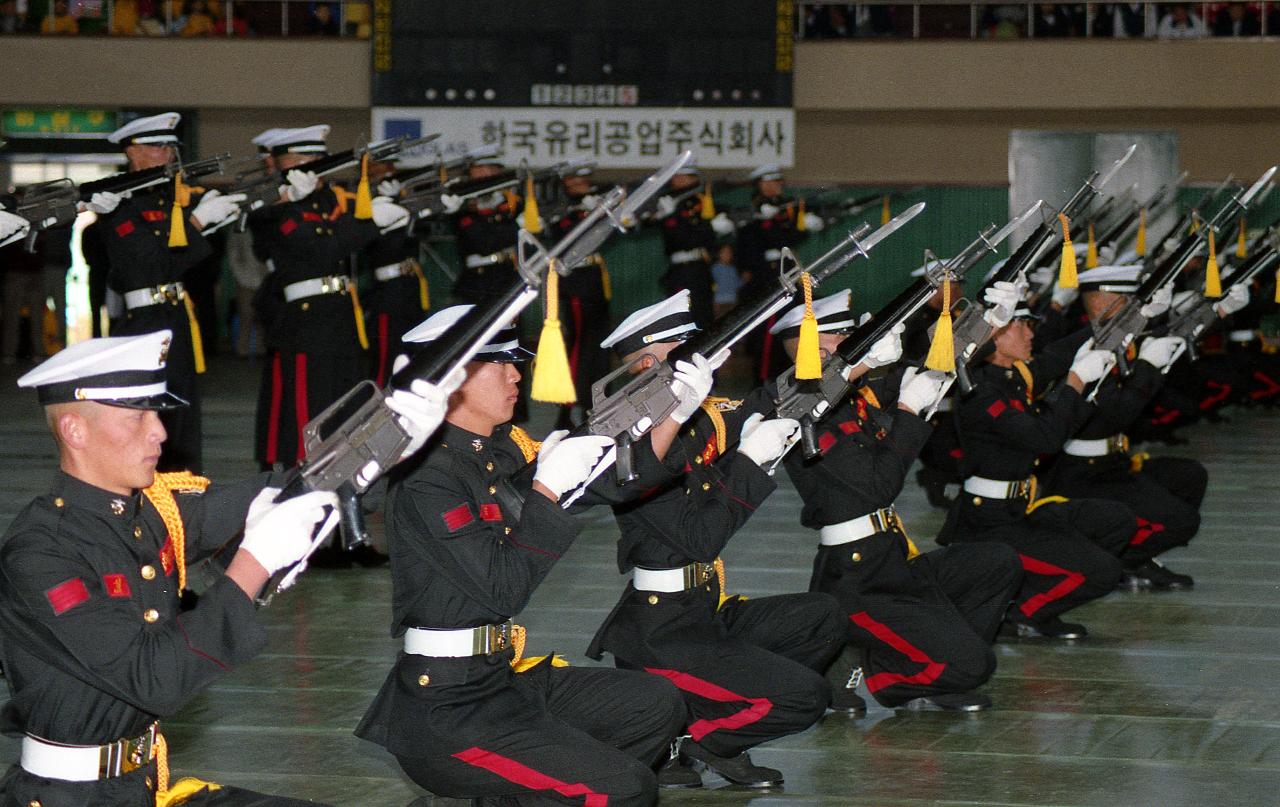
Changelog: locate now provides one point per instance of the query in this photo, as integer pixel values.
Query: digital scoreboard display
(579, 53)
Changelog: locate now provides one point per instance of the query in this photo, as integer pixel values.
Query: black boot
(1052, 628)
(674, 772)
(844, 675)
(935, 488)
(1155, 576)
(740, 769)
(951, 702)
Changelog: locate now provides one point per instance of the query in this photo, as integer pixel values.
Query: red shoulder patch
(307, 215)
(154, 215)
(117, 586)
(850, 427)
(825, 441)
(124, 228)
(288, 225)
(458, 517)
(1016, 404)
(466, 221)
(67, 595)
(996, 409)
(490, 512)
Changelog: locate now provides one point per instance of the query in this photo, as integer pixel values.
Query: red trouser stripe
(575, 306)
(1270, 386)
(1210, 401)
(383, 327)
(767, 351)
(1145, 530)
(1070, 582)
(758, 708)
(884, 633)
(525, 776)
(273, 417)
(300, 398)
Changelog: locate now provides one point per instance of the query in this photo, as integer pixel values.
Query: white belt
(154, 295)
(855, 529)
(997, 488)
(1097, 448)
(476, 261)
(772, 254)
(316, 286)
(688, 256)
(393, 270)
(672, 580)
(1242, 336)
(458, 643)
(87, 763)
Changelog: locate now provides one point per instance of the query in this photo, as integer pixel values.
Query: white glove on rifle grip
(813, 224)
(692, 383)
(12, 227)
(565, 463)
(1063, 298)
(665, 206)
(300, 184)
(214, 208)
(764, 441)
(1161, 351)
(390, 187)
(887, 349)
(280, 534)
(103, 202)
(1158, 304)
(422, 407)
(1237, 297)
(722, 224)
(1090, 365)
(387, 213)
(1001, 300)
(921, 391)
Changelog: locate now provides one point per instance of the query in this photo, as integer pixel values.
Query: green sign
(58, 123)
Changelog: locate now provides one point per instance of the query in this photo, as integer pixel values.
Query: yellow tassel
(1067, 278)
(424, 297)
(605, 283)
(1091, 253)
(197, 340)
(512, 198)
(1195, 225)
(708, 204)
(1277, 286)
(1212, 279)
(1140, 245)
(177, 220)
(531, 222)
(942, 352)
(808, 358)
(1242, 249)
(444, 174)
(884, 211)
(552, 381)
(358, 311)
(364, 199)
(800, 217)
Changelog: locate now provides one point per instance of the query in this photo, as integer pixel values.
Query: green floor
(1171, 701)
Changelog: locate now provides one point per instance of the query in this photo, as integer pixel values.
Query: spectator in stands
(324, 20)
(1124, 20)
(1237, 19)
(1004, 21)
(1181, 23)
(725, 280)
(59, 20)
(1053, 20)
(195, 20)
(237, 27)
(11, 22)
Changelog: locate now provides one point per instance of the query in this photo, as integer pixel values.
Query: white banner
(613, 137)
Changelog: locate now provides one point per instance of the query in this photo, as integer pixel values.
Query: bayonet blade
(1257, 187)
(892, 226)
(1116, 166)
(1007, 230)
(650, 187)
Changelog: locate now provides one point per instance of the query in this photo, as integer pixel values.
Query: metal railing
(164, 18)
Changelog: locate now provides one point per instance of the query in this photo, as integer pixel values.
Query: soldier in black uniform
(689, 239)
(148, 273)
(486, 230)
(923, 621)
(96, 649)
(315, 328)
(1164, 492)
(1069, 548)
(759, 245)
(458, 717)
(750, 669)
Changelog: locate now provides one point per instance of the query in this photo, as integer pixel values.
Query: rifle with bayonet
(1125, 226)
(350, 444)
(1187, 221)
(806, 401)
(133, 181)
(1125, 323)
(47, 205)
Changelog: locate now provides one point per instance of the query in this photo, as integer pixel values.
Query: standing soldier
(486, 229)
(149, 242)
(690, 228)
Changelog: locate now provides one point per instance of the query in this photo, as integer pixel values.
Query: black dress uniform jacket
(315, 354)
(472, 726)
(95, 646)
(394, 306)
(1068, 548)
(134, 240)
(745, 667)
(757, 240)
(925, 622)
(584, 313)
(485, 228)
(685, 230)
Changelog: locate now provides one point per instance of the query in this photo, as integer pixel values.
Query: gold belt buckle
(126, 756)
(695, 574)
(1118, 444)
(331, 284)
(491, 638)
(1020, 489)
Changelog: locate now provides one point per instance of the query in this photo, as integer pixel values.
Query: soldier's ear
(72, 429)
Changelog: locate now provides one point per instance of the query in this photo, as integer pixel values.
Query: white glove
(564, 464)
(12, 227)
(422, 407)
(1161, 351)
(763, 441)
(813, 224)
(214, 208)
(768, 211)
(1063, 298)
(665, 207)
(1021, 286)
(1090, 365)
(452, 202)
(1001, 299)
(1184, 301)
(722, 224)
(1159, 303)
(280, 534)
(103, 202)
(887, 348)
(1236, 298)
(390, 187)
(921, 391)
(1042, 276)
(387, 213)
(692, 383)
(589, 201)
(300, 184)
